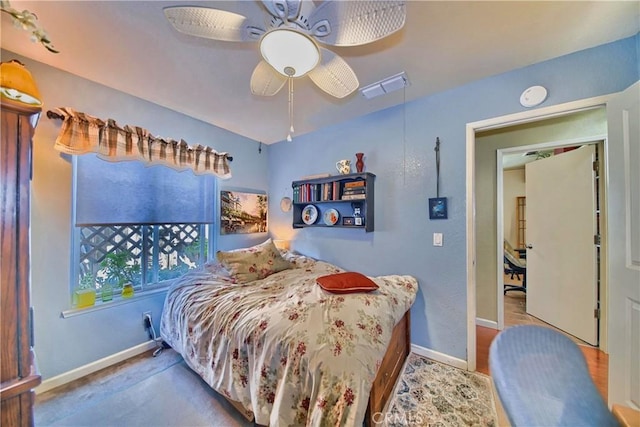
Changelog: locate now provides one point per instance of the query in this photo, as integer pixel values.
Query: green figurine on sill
(106, 292)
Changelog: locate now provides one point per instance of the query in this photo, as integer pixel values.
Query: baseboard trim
(439, 357)
(92, 367)
(486, 323)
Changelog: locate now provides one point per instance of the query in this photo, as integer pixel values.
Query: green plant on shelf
(120, 268)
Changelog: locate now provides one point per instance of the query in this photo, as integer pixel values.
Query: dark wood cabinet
(346, 199)
(18, 374)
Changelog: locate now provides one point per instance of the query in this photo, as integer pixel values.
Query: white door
(561, 254)
(623, 206)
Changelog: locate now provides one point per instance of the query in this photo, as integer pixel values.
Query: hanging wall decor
(243, 212)
(438, 205)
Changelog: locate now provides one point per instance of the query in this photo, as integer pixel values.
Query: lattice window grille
(157, 248)
(175, 237)
(97, 241)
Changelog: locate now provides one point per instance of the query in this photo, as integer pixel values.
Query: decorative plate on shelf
(309, 214)
(331, 217)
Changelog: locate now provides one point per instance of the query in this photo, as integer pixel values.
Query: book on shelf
(353, 184)
(353, 197)
(360, 190)
(305, 193)
(327, 191)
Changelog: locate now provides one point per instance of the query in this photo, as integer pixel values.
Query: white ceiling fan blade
(352, 23)
(265, 81)
(212, 23)
(333, 75)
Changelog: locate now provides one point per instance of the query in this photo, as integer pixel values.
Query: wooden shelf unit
(316, 196)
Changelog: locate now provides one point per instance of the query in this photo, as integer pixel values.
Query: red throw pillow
(345, 283)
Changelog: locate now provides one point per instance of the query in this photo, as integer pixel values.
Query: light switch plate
(437, 239)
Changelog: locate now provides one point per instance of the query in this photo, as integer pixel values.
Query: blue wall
(398, 144)
(62, 344)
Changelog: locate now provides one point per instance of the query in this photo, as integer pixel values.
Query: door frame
(599, 141)
(496, 123)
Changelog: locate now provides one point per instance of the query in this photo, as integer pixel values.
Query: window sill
(117, 301)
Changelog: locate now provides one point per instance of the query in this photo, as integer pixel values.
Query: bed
(284, 350)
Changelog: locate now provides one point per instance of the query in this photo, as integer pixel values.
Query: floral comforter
(285, 349)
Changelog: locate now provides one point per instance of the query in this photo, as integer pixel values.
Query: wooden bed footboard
(390, 369)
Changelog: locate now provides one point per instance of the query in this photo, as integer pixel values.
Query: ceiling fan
(289, 35)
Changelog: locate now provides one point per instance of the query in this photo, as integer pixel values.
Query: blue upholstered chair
(542, 379)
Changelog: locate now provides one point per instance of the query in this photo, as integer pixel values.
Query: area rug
(430, 393)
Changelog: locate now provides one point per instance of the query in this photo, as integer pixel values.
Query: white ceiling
(130, 46)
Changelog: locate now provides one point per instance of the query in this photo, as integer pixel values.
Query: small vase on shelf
(359, 162)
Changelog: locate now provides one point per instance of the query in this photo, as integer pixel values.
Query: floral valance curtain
(81, 133)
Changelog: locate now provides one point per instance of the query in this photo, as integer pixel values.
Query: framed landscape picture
(242, 212)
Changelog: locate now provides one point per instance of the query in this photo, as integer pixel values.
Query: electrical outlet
(144, 316)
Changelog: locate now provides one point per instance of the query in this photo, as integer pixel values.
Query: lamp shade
(17, 84)
(284, 245)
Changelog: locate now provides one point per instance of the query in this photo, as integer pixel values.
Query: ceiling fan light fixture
(289, 52)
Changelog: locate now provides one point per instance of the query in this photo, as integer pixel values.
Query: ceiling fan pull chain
(291, 130)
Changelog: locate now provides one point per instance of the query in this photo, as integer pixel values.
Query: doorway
(483, 251)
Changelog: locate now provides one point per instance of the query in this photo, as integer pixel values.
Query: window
(138, 224)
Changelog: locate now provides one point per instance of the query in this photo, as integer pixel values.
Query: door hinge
(596, 313)
(596, 166)
(596, 239)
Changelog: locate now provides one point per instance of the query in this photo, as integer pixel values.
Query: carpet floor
(163, 391)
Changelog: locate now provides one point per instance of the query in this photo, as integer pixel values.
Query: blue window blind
(129, 192)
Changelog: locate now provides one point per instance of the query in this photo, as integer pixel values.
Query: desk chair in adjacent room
(542, 379)
(516, 266)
